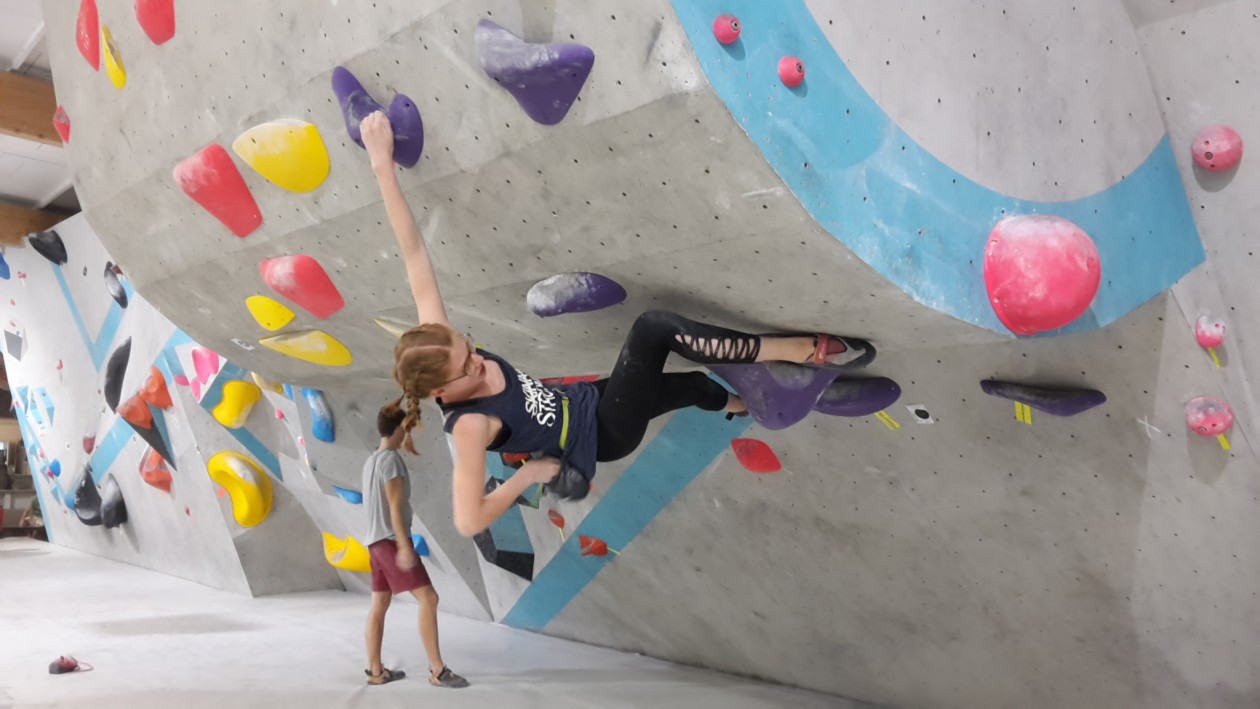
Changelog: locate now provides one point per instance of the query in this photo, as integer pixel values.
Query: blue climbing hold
(545, 79)
(4, 267)
(321, 416)
(422, 547)
(354, 498)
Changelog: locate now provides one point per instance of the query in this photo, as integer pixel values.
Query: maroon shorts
(386, 576)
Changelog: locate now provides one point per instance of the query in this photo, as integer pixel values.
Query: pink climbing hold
(1209, 333)
(89, 444)
(1209, 416)
(205, 363)
(726, 29)
(791, 72)
(157, 19)
(1041, 272)
(61, 122)
(87, 33)
(1217, 148)
(181, 380)
(302, 280)
(212, 180)
(755, 455)
(279, 415)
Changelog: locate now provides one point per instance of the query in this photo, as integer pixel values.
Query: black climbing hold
(115, 370)
(49, 245)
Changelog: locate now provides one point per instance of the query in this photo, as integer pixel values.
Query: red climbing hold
(212, 180)
(726, 29)
(1209, 416)
(87, 34)
(1209, 333)
(1041, 272)
(61, 122)
(302, 280)
(154, 390)
(791, 72)
(592, 546)
(135, 412)
(1217, 148)
(154, 471)
(755, 455)
(157, 19)
(556, 518)
(89, 444)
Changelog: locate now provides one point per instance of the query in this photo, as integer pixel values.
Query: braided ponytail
(420, 361)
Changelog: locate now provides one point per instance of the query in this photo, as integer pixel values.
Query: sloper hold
(573, 293)
(314, 346)
(347, 554)
(113, 507)
(302, 280)
(157, 19)
(290, 154)
(777, 394)
(247, 485)
(545, 79)
(114, 286)
(858, 397)
(87, 499)
(352, 496)
(1053, 401)
(115, 370)
(114, 66)
(321, 415)
(239, 398)
(87, 33)
(211, 179)
(49, 245)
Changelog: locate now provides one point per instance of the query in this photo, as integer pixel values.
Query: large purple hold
(858, 397)
(1056, 402)
(356, 102)
(545, 79)
(778, 394)
(404, 116)
(573, 293)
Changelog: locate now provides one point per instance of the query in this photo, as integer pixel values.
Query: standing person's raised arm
(378, 138)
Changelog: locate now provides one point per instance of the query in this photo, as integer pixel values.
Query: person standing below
(395, 566)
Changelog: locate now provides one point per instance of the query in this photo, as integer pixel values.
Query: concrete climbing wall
(971, 552)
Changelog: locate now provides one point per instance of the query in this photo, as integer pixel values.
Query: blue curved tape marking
(686, 446)
(872, 187)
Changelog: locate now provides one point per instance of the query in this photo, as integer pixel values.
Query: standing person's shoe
(446, 678)
(385, 677)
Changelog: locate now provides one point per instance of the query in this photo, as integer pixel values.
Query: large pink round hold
(791, 72)
(1208, 416)
(1217, 148)
(726, 29)
(1041, 272)
(1210, 333)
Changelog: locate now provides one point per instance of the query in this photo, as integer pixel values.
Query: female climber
(488, 405)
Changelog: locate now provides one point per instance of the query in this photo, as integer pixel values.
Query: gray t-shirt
(384, 464)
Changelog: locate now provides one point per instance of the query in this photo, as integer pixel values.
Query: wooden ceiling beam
(26, 108)
(16, 222)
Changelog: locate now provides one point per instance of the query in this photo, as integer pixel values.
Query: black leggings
(639, 390)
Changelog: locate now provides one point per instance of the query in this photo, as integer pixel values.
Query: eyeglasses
(469, 367)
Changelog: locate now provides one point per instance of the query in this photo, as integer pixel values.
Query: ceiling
(31, 174)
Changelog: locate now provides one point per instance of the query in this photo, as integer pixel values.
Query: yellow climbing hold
(246, 483)
(347, 554)
(239, 398)
(270, 313)
(113, 60)
(266, 384)
(392, 326)
(288, 153)
(314, 346)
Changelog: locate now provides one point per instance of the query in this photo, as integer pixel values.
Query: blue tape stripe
(214, 395)
(98, 349)
(688, 444)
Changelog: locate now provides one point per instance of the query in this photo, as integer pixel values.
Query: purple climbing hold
(545, 79)
(573, 293)
(777, 394)
(356, 103)
(404, 116)
(858, 397)
(1056, 402)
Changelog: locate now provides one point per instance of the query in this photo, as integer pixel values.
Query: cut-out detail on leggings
(725, 349)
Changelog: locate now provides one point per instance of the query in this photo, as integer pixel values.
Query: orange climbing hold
(212, 180)
(154, 390)
(154, 471)
(756, 456)
(136, 412)
(157, 19)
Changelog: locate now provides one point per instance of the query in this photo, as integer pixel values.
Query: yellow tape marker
(887, 420)
(1224, 441)
(1215, 359)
